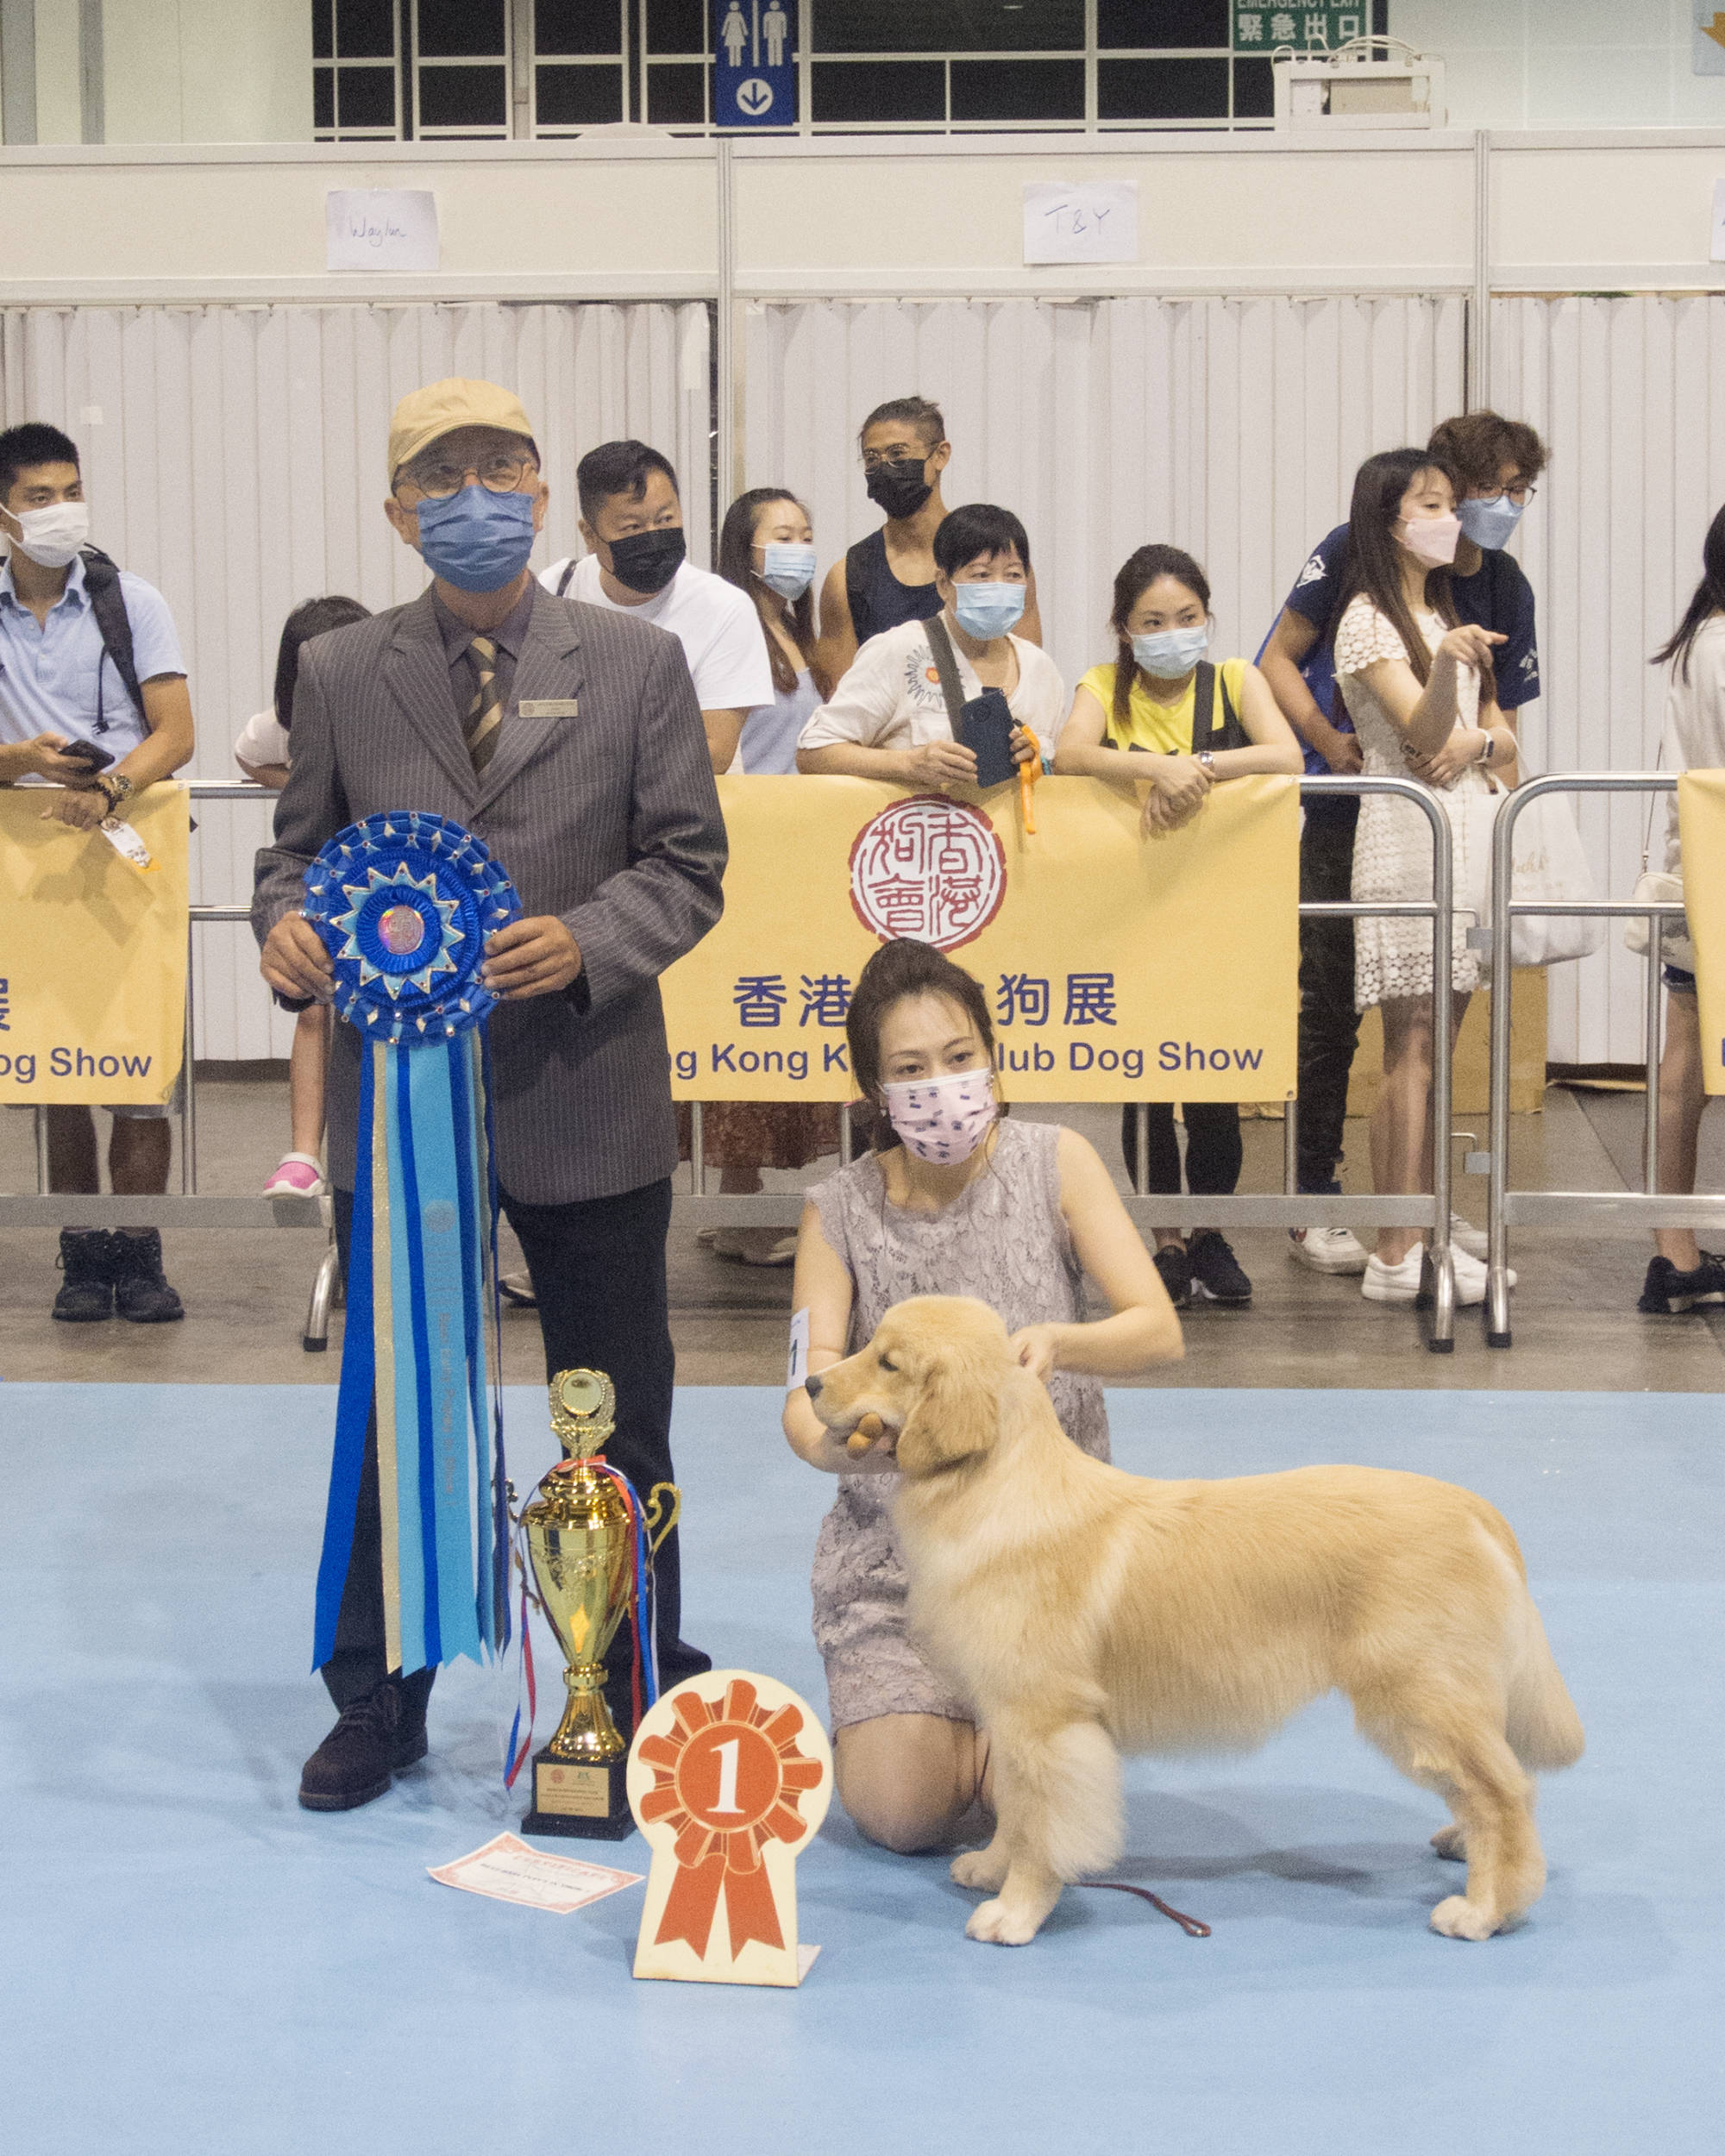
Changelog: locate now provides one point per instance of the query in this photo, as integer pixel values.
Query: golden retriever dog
(1085, 1613)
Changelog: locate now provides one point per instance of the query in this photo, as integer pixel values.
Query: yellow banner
(1701, 825)
(92, 954)
(1117, 969)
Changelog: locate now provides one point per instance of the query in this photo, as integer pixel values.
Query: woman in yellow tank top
(1159, 714)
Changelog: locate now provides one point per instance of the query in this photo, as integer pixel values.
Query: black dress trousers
(598, 1267)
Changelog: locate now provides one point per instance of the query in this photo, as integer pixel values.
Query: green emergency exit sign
(1304, 30)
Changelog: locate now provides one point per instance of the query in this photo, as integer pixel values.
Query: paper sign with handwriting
(381, 227)
(509, 1870)
(1080, 221)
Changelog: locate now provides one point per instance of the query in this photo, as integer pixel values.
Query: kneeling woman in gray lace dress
(953, 1201)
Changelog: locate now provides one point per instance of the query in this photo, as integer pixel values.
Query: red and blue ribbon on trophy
(405, 904)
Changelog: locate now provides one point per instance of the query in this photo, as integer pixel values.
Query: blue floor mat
(190, 1962)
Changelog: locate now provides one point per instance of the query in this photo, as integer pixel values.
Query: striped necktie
(485, 713)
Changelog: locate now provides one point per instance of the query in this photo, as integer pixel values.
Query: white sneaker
(1401, 1283)
(1463, 1235)
(1394, 1283)
(1326, 1249)
(1469, 1276)
(518, 1287)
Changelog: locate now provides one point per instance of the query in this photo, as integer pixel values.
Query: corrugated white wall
(1629, 395)
(1231, 427)
(234, 457)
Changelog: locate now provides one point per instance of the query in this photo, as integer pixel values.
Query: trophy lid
(583, 1411)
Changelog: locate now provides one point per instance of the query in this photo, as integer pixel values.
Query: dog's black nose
(812, 1387)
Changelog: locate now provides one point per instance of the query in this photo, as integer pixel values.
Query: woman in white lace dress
(1421, 693)
(954, 1201)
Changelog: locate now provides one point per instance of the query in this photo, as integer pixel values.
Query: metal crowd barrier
(698, 1210)
(1640, 1210)
(1288, 1209)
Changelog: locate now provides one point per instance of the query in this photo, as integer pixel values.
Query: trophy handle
(656, 1512)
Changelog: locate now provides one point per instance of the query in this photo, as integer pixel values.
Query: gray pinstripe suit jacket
(610, 819)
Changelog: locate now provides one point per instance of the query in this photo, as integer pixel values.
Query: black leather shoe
(141, 1292)
(88, 1292)
(354, 1764)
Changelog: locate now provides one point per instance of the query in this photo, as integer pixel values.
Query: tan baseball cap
(424, 414)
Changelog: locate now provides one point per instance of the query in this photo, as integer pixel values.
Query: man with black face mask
(632, 522)
(889, 577)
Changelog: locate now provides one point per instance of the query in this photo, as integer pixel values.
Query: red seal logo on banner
(726, 1779)
(928, 868)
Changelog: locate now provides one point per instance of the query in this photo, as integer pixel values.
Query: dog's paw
(1001, 1926)
(1457, 1918)
(980, 1868)
(1451, 1844)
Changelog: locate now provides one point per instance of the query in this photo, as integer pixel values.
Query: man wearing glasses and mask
(569, 738)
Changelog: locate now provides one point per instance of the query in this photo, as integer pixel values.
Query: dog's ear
(956, 1414)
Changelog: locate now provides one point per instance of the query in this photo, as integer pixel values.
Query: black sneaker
(1216, 1275)
(140, 1291)
(1668, 1292)
(354, 1764)
(88, 1293)
(1176, 1273)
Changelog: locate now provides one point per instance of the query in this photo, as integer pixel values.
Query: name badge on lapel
(550, 707)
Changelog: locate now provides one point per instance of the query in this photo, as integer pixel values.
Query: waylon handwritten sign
(381, 229)
(1080, 221)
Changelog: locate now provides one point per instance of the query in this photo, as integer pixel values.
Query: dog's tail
(1544, 1730)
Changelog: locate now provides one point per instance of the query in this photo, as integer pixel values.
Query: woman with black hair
(262, 753)
(1162, 713)
(1421, 692)
(890, 717)
(954, 1200)
(766, 548)
(1681, 1274)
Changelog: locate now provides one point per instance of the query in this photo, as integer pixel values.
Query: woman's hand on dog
(1036, 1348)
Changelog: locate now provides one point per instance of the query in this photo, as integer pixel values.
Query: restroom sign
(755, 63)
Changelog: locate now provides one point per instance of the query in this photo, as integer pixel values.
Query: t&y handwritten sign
(1080, 221)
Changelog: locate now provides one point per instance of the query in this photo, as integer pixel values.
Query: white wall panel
(1627, 395)
(1231, 427)
(235, 456)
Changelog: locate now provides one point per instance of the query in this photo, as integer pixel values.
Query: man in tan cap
(570, 740)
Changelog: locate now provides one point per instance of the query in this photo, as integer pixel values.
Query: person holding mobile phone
(93, 704)
(893, 715)
(1163, 713)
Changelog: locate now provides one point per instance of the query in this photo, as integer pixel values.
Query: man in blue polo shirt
(59, 689)
(1496, 462)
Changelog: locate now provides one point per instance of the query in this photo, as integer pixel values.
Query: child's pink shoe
(298, 1176)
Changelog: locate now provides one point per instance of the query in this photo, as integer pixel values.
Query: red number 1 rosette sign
(729, 1776)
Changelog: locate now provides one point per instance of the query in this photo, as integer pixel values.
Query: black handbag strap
(946, 665)
(1205, 732)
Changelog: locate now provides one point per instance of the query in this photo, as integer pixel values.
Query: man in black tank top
(889, 577)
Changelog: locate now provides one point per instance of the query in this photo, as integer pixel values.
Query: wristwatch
(117, 787)
(1206, 763)
(1490, 747)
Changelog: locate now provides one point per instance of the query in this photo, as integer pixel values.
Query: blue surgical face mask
(789, 569)
(476, 540)
(1171, 652)
(985, 611)
(1490, 524)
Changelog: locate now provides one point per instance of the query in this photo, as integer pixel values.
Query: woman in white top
(888, 717)
(1683, 1274)
(263, 753)
(1420, 691)
(766, 548)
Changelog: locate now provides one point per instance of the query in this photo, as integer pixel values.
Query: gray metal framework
(695, 1209)
(1638, 1211)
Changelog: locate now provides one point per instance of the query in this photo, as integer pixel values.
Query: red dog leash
(1190, 1925)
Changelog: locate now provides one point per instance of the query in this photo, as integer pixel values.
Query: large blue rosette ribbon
(405, 904)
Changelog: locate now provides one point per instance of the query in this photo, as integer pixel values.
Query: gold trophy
(582, 1545)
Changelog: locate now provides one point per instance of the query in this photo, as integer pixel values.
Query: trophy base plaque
(572, 1798)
